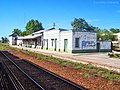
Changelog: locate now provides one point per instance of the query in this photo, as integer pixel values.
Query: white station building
(63, 40)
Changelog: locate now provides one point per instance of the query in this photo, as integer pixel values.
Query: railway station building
(63, 40)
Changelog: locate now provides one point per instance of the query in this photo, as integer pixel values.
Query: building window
(76, 42)
(52, 40)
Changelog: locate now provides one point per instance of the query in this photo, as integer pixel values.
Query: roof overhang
(29, 37)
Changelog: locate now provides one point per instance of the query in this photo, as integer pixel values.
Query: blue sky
(16, 13)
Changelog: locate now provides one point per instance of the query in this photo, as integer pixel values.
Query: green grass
(78, 67)
(117, 55)
(4, 46)
(86, 74)
(111, 76)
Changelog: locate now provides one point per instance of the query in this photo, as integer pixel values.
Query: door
(47, 44)
(55, 44)
(65, 45)
(35, 43)
(15, 41)
(98, 47)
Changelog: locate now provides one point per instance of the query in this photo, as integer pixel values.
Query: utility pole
(54, 25)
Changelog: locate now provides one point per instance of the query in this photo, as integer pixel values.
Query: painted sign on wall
(105, 45)
(88, 41)
(88, 44)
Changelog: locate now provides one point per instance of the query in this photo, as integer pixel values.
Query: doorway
(47, 44)
(55, 44)
(98, 47)
(65, 45)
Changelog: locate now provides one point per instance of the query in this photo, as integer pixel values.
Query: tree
(98, 31)
(33, 26)
(4, 40)
(106, 35)
(23, 33)
(115, 30)
(81, 24)
(18, 31)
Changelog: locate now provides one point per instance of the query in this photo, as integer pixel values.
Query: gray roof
(57, 29)
(14, 34)
(39, 33)
(30, 36)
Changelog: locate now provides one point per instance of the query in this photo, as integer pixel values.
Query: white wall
(51, 34)
(105, 45)
(19, 42)
(66, 35)
(88, 38)
(10, 40)
(118, 35)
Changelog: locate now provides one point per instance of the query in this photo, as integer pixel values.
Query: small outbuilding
(13, 39)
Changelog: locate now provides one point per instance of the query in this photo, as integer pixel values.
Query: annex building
(62, 40)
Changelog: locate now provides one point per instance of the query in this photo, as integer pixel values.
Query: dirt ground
(72, 74)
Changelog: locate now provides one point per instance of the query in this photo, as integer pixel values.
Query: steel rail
(38, 85)
(2, 79)
(4, 75)
(59, 77)
(14, 79)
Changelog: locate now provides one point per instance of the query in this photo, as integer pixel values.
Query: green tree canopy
(105, 34)
(4, 39)
(81, 24)
(33, 26)
(18, 31)
(23, 33)
(115, 30)
(98, 31)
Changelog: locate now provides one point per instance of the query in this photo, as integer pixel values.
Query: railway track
(41, 79)
(19, 78)
(5, 80)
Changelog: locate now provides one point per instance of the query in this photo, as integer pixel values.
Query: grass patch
(4, 46)
(78, 67)
(111, 76)
(59, 61)
(86, 74)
